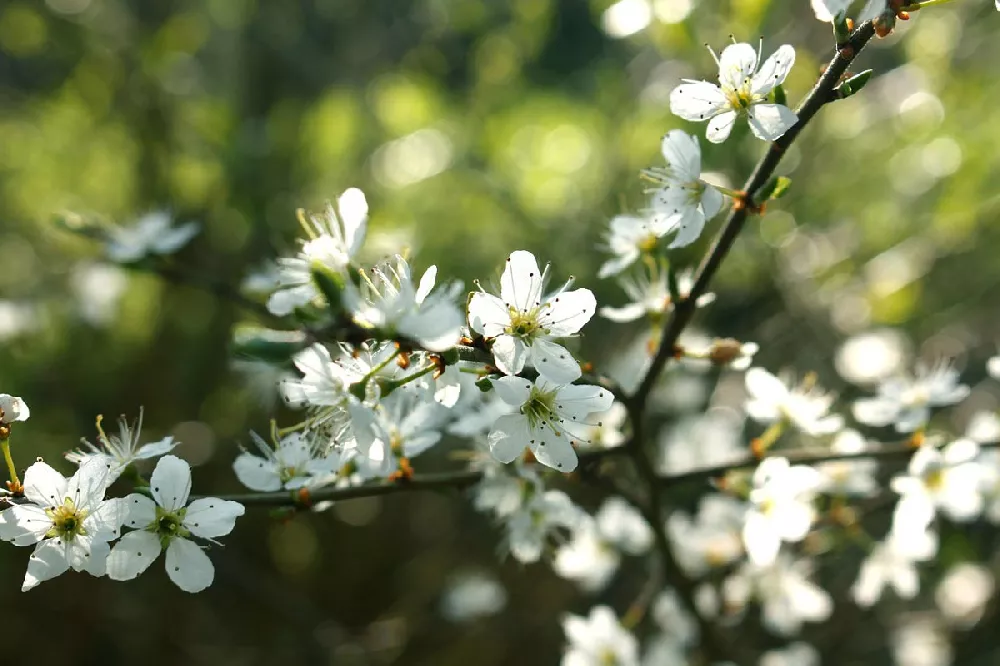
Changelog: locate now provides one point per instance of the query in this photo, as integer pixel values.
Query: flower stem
(5, 445)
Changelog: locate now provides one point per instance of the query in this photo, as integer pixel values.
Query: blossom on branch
(67, 520)
(13, 409)
(151, 234)
(166, 522)
(599, 640)
(297, 460)
(743, 90)
(805, 406)
(906, 402)
(684, 201)
(548, 419)
(523, 322)
(780, 507)
(120, 450)
(949, 479)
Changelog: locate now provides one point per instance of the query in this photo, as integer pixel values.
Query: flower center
(67, 521)
(168, 524)
(934, 478)
(740, 98)
(524, 325)
(539, 408)
(647, 243)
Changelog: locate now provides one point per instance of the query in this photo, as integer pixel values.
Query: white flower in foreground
(295, 462)
(523, 322)
(685, 201)
(906, 402)
(389, 301)
(854, 477)
(120, 450)
(893, 562)
(334, 241)
(326, 380)
(592, 556)
(742, 90)
(787, 596)
(151, 234)
(804, 406)
(780, 508)
(166, 523)
(599, 640)
(68, 519)
(546, 420)
(949, 479)
(13, 408)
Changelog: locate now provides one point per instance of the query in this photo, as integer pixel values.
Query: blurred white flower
(805, 406)
(98, 288)
(472, 595)
(787, 596)
(854, 477)
(295, 461)
(702, 440)
(153, 233)
(920, 640)
(650, 295)
(795, 654)
(949, 479)
(538, 517)
(593, 554)
(605, 430)
(906, 401)
(872, 356)
(983, 427)
(627, 238)
(713, 539)
(893, 561)
(403, 424)
(993, 367)
(963, 593)
(599, 640)
(743, 90)
(780, 508)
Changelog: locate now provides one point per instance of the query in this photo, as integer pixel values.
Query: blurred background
(475, 127)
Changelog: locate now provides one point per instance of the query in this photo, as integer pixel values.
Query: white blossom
(685, 201)
(805, 406)
(389, 301)
(713, 539)
(537, 519)
(334, 241)
(549, 416)
(650, 295)
(921, 640)
(963, 593)
(523, 322)
(787, 596)
(166, 522)
(67, 520)
(780, 507)
(854, 477)
(893, 562)
(151, 234)
(471, 595)
(599, 640)
(743, 90)
(628, 237)
(948, 479)
(13, 409)
(121, 450)
(605, 430)
(593, 554)
(297, 460)
(714, 437)
(906, 402)
(404, 424)
(993, 365)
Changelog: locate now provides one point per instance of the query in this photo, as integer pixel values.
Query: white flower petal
(521, 282)
(132, 555)
(567, 312)
(141, 511)
(711, 202)
(513, 390)
(576, 402)
(553, 450)
(554, 362)
(24, 524)
(105, 522)
(624, 314)
(211, 517)
(690, 223)
(487, 314)
(773, 71)
(510, 354)
(44, 486)
(720, 127)
(697, 100)
(770, 121)
(508, 437)
(170, 483)
(47, 562)
(257, 473)
(736, 65)
(188, 566)
(87, 486)
(155, 449)
(683, 154)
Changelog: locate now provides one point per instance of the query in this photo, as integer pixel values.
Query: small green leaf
(484, 384)
(853, 84)
(331, 285)
(775, 188)
(779, 95)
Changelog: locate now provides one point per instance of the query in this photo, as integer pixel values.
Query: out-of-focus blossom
(906, 402)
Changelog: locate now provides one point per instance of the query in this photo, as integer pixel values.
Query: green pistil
(539, 408)
(67, 521)
(168, 524)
